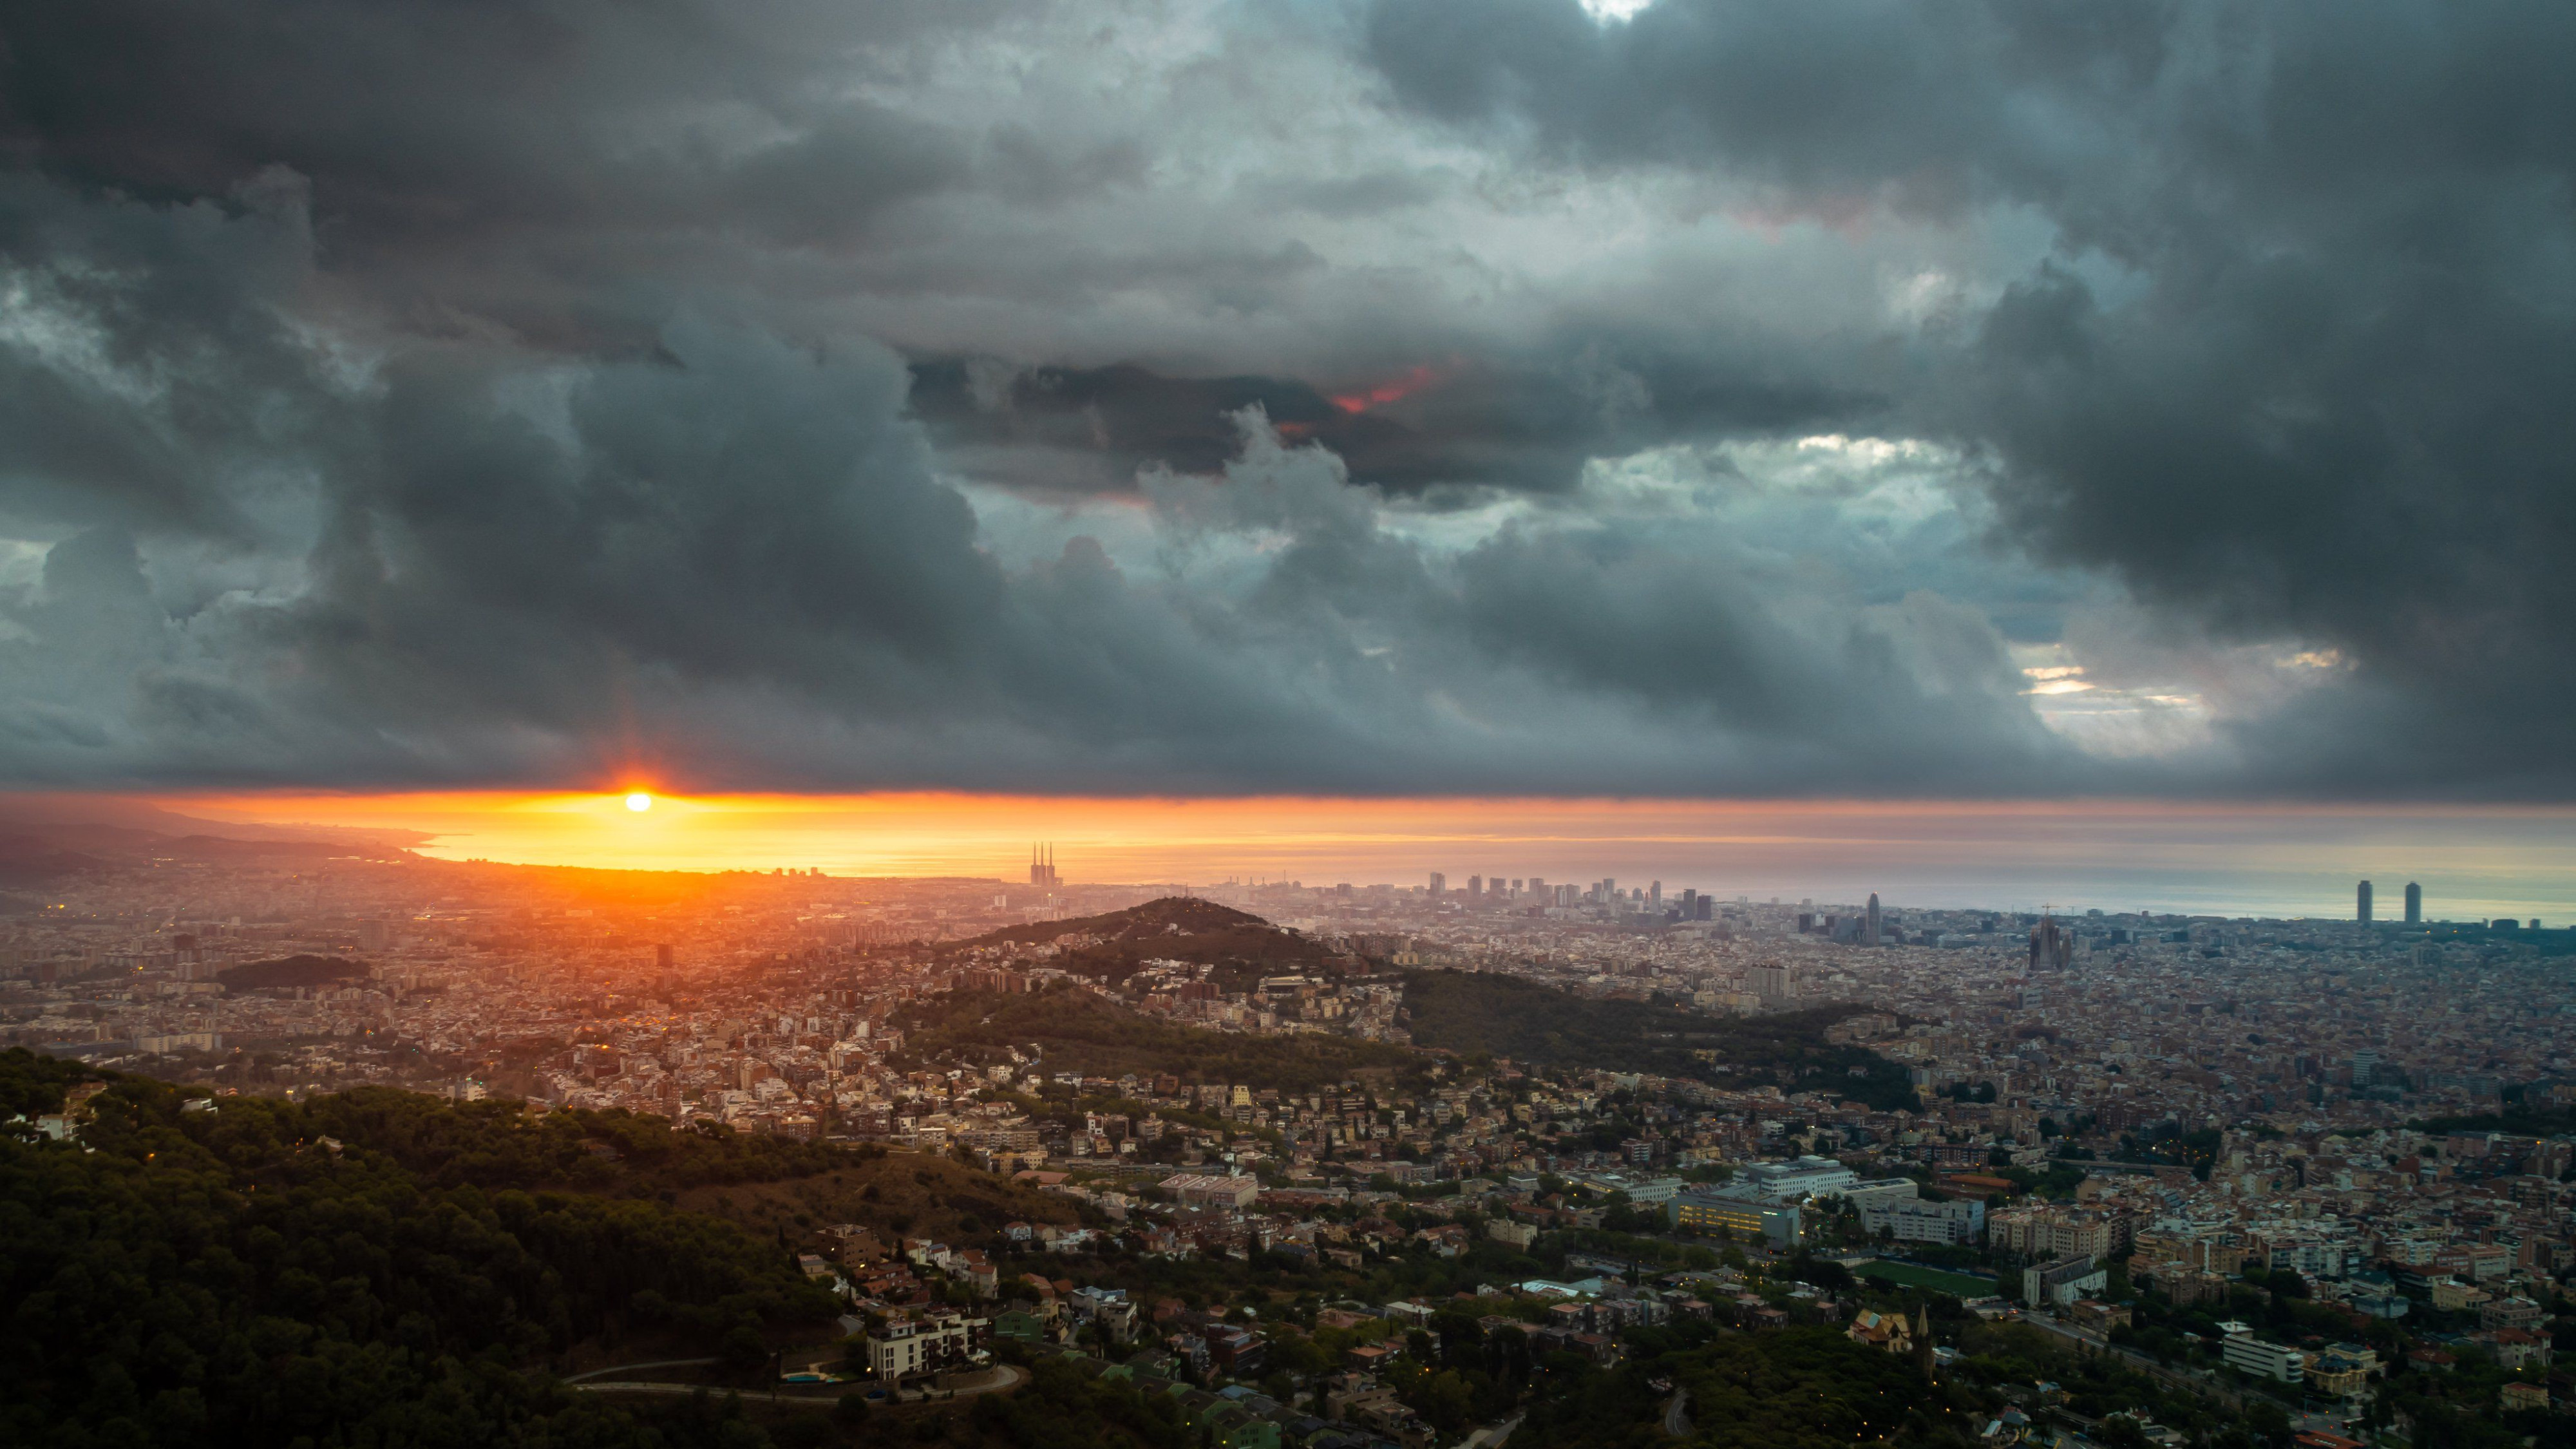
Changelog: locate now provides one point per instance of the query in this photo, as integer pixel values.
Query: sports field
(1915, 1275)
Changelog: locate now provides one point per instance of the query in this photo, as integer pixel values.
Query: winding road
(621, 1368)
(1003, 1377)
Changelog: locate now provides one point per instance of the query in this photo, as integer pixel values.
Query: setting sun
(639, 802)
(2168, 854)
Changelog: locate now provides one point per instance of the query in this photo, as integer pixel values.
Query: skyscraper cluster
(2414, 904)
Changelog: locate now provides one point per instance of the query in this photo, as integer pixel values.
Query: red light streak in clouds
(1363, 399)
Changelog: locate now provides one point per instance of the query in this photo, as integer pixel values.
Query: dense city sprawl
(1338, 1167)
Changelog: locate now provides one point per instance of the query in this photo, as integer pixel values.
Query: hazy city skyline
(2287, 862)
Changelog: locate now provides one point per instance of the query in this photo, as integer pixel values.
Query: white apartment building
(907, 1348)
(2246, 1353)
(1960, 1221)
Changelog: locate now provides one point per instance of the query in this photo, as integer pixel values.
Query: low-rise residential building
(2523, 1396)
(1192, 1189)
(2055, 1232)
(2451, 1295)
(2515, 1312)
(2339, 1374)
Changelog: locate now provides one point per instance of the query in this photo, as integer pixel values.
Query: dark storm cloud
(517, 392)
(175, 296)
(1088, 429)
(2302, 367)
(729, 558)
(1438, 425)
(429, 123)
(1820, 98)
(538, 165)
(1091, 429)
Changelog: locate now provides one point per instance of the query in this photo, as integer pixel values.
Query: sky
(2473, 863)
(1423, 399)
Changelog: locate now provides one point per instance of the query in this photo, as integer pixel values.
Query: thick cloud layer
(1422, 396)
(2298, 365)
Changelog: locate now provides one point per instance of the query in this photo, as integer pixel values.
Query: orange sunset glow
(1926, 848)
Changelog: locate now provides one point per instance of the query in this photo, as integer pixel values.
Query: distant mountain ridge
(49, 837)
(27, 860)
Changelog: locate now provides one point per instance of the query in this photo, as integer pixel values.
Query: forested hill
(1075, 1030)
(297, 970)
(1174, 928)
(189, 1277)
(1510, 1017)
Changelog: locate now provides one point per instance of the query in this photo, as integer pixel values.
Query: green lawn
(1914, 1275)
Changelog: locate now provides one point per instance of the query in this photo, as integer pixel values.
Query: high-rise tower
(2364, 904)
(1869, 927)
(2414, 904)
